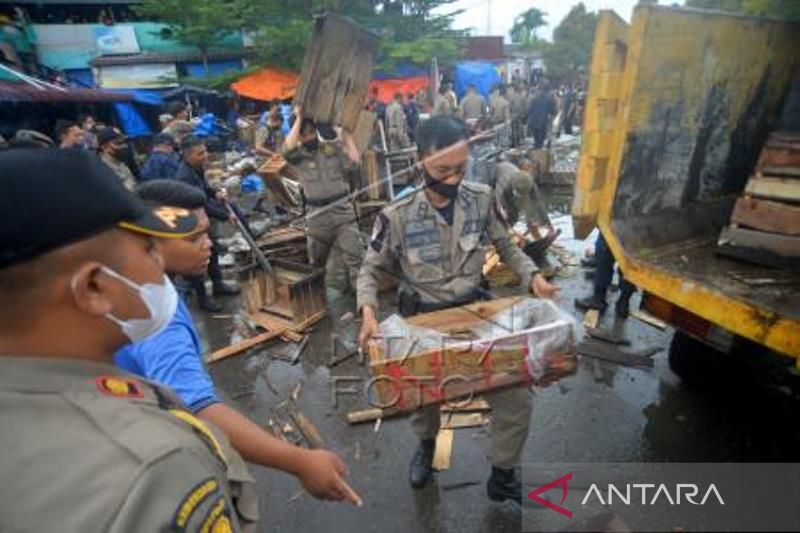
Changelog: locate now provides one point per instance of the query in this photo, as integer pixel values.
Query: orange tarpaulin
(388, 88)
(268, 84)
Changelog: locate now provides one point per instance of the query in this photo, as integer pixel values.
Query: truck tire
(696, 363)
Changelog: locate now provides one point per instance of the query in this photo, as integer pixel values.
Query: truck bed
(697, 261)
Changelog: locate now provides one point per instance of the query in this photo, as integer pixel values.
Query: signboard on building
(115, 40)
(145, 76)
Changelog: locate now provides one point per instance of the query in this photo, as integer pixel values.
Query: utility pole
(488, 17)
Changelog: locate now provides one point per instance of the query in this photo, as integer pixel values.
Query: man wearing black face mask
(433, 241)
(324, 156)
(111, 145)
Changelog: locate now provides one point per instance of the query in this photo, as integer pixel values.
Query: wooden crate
(336, 71)
(463, 368)
(296, 294)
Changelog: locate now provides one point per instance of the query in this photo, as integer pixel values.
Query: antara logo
(560, 482)
(682, 492)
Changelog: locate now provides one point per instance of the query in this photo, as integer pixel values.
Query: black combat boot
(591, 302)
(623, 302)
(421, 470)
(504, 485)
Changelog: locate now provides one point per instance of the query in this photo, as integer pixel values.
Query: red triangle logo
(560, 482)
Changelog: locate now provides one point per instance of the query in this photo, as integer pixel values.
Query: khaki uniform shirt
(324, 173)
(438, 261)
(519, 104)
(396, 118)
(87, 447)
(500, 111)
(473, 107)
(441, 105)
(121, 170)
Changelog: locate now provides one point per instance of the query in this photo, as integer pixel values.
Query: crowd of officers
(146, 445)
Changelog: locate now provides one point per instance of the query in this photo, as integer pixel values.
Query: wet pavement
(604, 413)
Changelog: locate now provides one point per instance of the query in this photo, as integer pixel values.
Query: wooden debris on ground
(242, 346)
(444, 449)
(463, 420)
(614, 354)
(647, 318)
(613, 337)
(591, 318)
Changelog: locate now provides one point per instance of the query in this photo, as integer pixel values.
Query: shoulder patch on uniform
(119, 387)
(217, 520)
(192, 501)
(379, 231)
(200, 426)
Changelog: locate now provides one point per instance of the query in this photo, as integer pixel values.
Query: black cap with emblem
(52, 198)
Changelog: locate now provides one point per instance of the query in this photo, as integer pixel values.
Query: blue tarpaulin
(215, 68)
(133, 125)
(143, 96)
(481, 74)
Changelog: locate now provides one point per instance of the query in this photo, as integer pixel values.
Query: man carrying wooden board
(323, 156)
(433, 241)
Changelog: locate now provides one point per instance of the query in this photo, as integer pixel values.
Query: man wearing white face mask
(87, 447)
(173, 357)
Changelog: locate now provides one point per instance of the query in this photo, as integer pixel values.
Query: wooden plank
(774, 188)
(647, 318)
(336, 71)
(307, 428)
(792, 171)
(271, 323)
(770, 249)
(462, 318)
(463, 420)
(591, 318)
(768, 216)
(444, 449)
(613, 354)
(362, 134)
(478, 404)
(241, 346)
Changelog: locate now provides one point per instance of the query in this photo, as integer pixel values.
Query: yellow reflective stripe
(216, 512)
(193, 500)
(202, 428)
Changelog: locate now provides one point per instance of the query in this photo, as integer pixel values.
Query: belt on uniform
(326, 201)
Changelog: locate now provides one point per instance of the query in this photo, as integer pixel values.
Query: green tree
(571, 49)
(197, 23)
(525, 26)
(785, 9)
(408, 30)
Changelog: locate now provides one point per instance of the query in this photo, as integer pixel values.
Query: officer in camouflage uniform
(433, 240)
(324, 157)
(87, 447)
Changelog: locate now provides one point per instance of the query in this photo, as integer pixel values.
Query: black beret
(52, 198)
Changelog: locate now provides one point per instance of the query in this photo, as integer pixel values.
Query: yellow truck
(679, 105)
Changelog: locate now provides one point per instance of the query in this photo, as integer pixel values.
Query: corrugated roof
(11, 91)
(180, 57)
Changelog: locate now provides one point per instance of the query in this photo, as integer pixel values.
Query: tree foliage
(198, 23)
(525, 26)
(785, 9)
(571, 49)
(408, 30)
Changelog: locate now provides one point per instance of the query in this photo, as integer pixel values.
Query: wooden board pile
(765, 223)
